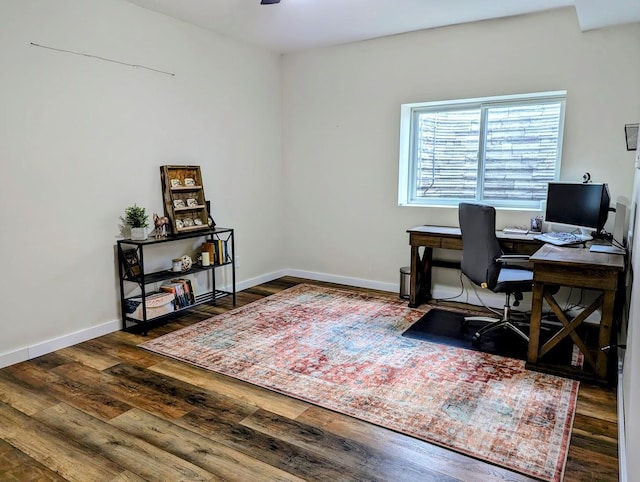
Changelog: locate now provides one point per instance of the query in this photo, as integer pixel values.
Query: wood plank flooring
(107, 410)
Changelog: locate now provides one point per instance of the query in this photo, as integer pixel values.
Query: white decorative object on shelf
(205, 258)
(186, 263)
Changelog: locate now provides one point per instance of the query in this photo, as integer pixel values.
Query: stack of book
(218, 250)
(182, 291)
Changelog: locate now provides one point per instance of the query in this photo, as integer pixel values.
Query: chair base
(493, 324)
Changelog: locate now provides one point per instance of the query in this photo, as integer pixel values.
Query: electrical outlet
(237, 261)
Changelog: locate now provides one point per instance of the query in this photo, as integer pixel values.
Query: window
(498, 150)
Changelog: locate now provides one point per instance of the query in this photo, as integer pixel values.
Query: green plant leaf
(136, 216)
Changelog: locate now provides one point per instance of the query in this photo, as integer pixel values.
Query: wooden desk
(574, 267)
(430, 237)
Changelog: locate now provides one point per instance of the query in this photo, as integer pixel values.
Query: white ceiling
(294, 25)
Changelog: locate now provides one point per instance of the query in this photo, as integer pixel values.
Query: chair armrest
(513, 258)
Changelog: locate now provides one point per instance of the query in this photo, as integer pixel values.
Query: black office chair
(485, 265)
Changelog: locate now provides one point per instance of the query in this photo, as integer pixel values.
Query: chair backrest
(480, 246)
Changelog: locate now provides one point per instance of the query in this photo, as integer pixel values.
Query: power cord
(526, 314)
(492, 310)
(456, 296)
(475, 290)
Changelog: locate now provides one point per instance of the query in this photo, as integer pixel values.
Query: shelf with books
(219, 251)
(148, 283)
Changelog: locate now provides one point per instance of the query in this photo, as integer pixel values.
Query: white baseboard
(494, 300)
(250, 283)
(622, 446)
(54, 344)
(70, 339)
(64, 341)
(343, 280)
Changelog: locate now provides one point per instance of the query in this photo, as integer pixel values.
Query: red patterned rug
(344, 351)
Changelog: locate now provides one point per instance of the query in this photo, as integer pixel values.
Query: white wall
(341, 126)
(81, 139)
(631, 363)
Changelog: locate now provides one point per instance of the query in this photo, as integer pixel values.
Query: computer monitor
(578, 204)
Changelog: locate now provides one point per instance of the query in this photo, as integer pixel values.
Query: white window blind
(502, 151)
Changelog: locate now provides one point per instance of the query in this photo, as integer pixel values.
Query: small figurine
(161, 224)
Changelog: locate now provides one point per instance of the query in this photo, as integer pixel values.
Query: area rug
(345, 351)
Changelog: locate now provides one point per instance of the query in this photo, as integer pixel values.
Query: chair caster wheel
(475, 340)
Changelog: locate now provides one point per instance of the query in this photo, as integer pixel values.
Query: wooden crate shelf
(184, 199)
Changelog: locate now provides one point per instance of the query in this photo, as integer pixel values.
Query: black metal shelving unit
(142, 278)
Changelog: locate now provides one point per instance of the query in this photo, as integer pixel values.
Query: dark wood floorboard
(108, 410)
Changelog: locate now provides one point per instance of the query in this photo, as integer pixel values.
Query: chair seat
(510, 280)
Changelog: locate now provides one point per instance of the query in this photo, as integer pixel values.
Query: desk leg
(424, 286)
(604, 336)
(413, 279)
(420, 279)
(536, 320)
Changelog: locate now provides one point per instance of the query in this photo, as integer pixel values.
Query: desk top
(577, 256)
(454, 232)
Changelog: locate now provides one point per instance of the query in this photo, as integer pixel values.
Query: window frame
(407, 165)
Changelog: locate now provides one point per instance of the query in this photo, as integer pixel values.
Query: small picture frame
(131, 263)
(189, 181)
(631, 135)
(175, 183)
(192, 203)
(188, 222)
(211, 223)
(179, 203)
(536, 224)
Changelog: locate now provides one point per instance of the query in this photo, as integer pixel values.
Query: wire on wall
(103, 58)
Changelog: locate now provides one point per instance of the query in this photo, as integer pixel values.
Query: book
(191, 292)
(181, 295)
(219, 251)
(227, 257)
(187, 290)
(176, 289)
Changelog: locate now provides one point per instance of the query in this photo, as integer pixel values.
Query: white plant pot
(139, 234)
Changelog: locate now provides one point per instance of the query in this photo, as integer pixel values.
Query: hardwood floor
(107, 410)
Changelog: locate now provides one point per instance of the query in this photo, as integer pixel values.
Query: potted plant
(138, 220)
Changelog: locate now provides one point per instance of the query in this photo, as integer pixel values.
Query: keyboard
(560, 238)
